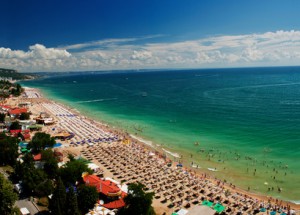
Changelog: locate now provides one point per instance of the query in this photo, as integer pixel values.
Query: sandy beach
(128, 158)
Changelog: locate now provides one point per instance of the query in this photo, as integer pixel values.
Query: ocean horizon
(241, 123)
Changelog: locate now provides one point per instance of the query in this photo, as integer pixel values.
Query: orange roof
(109, 188)
(17, 111)
(92, 180)
(5, 106)
(37, 157)
(106, 187)
(115, 204)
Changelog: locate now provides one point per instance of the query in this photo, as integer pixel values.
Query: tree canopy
(24, 116)
(50, 163)
(2, 117)
(71, 203)
(15, 126)
(58, 200)
(8, 150)
(72, 171)
(7, 196)
(138, 202)
(16, 90)
(32, 179)
(40, 140)
(88, 196)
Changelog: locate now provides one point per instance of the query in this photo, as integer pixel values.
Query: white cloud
(40, 51)
(38, 58)
(141, 55)
(266, 49)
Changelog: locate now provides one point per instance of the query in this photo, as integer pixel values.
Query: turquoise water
(247, 121)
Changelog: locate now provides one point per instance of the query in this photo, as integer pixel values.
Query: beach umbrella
(24, 150)
(272, 212)
(262, 210)
(283, 213)
(57, 145)
(23, 144)
(219, 208)
(207, 203)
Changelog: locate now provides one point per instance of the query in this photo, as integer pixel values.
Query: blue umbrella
(272, 212)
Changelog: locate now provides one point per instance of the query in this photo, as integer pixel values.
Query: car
(18, 188)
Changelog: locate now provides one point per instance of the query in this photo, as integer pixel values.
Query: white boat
(212, 169)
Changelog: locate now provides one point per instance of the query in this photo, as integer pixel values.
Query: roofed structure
(108, 188)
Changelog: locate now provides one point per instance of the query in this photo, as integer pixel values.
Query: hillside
(13, 74)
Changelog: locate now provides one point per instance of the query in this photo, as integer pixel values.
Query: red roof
(15, 131)
(92, 180)
(57, 153)
(5, 106)
(106, 187)
(17, 111)
(109, 188)
(25, 133)
(26, 136)
(115, 204)
(37, 157)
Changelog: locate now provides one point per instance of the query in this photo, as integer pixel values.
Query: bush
(43, 202)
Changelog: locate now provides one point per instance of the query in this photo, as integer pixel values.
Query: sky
(55, 35)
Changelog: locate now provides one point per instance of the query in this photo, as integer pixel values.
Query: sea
(240, 125)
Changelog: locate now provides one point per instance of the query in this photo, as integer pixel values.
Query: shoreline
(152, 146)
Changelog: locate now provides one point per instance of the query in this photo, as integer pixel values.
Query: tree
(24, 116)
(58, 200)
(88, 196)
(40, 140)
(138, 202)
(21, 136)
(33, 179)
(16, 90)
(21, 168)
(71, 157)
(50, 163)
(2, 117)
(7, 196)
(45, 188)
(8, 150)
(72, 171)
(71, 203)
(15, 126)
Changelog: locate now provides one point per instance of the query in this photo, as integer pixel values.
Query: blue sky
(129, 34)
